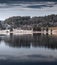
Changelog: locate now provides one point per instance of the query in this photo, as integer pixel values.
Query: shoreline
(15, 31)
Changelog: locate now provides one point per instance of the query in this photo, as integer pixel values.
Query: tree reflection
(36, 40)
(18, 40)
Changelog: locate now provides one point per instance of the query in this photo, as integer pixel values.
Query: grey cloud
(35, 5)
(39, 6)
(27, 9)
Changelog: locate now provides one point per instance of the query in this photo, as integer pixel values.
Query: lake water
(36, 49)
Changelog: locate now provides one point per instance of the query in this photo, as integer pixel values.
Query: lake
(36, 49)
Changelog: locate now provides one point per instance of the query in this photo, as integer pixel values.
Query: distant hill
(50, 20)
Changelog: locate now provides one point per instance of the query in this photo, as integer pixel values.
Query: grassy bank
(53, 28)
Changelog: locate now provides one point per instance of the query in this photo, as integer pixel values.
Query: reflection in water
(28, 48)
(35, 40)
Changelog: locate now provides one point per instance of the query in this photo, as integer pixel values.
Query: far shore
(15, 31)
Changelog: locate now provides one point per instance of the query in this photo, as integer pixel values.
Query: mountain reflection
(36, 40)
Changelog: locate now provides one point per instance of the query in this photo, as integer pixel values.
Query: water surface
(28, 49)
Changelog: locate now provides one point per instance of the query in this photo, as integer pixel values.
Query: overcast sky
(26, 8)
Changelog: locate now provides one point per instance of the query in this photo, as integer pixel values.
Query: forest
(27, 22)
(17, 21)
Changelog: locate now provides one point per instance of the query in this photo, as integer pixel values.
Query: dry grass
(53, 28)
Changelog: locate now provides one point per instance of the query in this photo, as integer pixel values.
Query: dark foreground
(26, 63)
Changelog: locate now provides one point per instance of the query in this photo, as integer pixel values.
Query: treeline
(18, 21)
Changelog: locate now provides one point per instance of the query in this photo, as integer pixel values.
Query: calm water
(33, 49)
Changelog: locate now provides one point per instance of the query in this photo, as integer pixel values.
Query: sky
(9, 8)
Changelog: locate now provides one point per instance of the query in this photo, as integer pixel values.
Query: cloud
(7, 1)
(27, 9)
(28, 5)
(39, 6)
